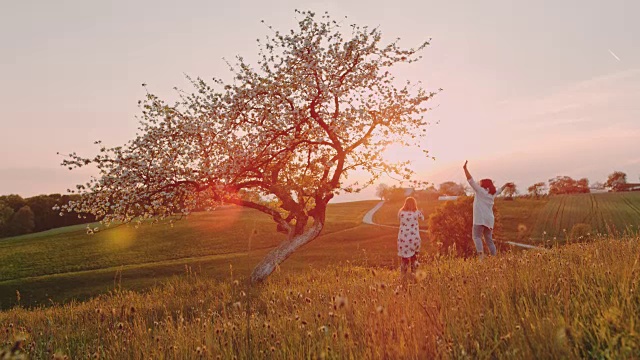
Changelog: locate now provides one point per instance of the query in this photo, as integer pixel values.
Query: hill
(66, 263)
(575, 301)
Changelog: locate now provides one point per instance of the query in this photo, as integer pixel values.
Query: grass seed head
(341, 302)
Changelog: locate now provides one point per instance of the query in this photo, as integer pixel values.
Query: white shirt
(483, 205)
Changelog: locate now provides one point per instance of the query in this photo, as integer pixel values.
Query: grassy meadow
(575, 301)
(180, 292)
(66, 263)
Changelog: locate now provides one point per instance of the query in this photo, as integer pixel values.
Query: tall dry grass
(576, 301)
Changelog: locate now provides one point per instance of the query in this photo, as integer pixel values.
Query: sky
(531, 89)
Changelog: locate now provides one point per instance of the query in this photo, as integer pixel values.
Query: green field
(607, 213)
(63, 264)
(338, 297)
(66, 263)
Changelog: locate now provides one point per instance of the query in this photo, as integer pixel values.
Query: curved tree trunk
(283, 251)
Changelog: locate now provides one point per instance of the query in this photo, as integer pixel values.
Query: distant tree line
(20, 216)
(559, 185)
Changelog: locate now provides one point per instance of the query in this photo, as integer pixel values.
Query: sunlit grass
(66, 263)
(576, 301)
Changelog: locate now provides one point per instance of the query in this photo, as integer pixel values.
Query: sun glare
(224, 217)
(121, 237)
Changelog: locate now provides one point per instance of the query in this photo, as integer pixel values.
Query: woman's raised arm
(466, 171)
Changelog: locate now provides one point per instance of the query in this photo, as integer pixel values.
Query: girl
(409, 234)
(483, 219)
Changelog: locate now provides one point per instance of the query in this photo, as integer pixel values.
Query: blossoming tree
(280, 139)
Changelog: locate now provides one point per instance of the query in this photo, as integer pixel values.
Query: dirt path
(368, 219)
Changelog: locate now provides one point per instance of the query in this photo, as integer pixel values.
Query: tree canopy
(537, 189)
(616, 181)
(320, 103)
(41, 207)
(566, 185)
(510, 190)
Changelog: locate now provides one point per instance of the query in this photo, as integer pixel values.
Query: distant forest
(20, 216)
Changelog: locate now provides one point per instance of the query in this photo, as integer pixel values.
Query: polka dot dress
(409, 233)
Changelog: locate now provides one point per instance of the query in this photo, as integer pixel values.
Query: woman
(483, 219)
(409, 234)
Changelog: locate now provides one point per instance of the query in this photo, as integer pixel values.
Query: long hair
(410, 204)
(488, 184)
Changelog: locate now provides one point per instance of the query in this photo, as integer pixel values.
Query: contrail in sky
(614, 55)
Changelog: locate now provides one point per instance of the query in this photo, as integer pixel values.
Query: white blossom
(281, 138)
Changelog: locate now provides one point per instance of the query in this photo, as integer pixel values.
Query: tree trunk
(283, 251)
